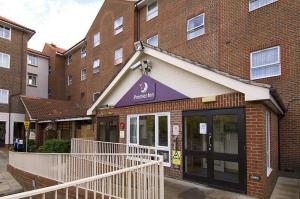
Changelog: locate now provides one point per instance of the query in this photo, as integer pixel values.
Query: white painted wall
(180, 80)
(15, 117)
(42, 71)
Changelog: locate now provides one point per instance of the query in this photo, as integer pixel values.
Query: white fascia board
(73, 119)
(30, 118)
(252, 92)
(45, 121)
(276, 105)
(114, 82)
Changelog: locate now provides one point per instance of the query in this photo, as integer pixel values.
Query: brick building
(227, 75)
(13, 63)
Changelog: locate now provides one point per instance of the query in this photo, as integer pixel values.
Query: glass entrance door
(214, 148)
(108, 129)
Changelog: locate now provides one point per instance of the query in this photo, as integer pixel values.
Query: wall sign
(148, 90)
(203, 128)
(175, 129)
(176, 158)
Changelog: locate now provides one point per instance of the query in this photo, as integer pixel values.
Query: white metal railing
(93, 175)
(90, 146)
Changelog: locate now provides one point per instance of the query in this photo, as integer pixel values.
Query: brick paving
(8, 185)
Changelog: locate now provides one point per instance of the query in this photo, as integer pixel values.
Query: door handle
(209, 142)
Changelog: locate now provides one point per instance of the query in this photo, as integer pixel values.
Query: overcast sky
(62, 22)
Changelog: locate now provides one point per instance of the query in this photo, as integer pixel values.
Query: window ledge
(32, 85)
(33, 65)
(269, 171)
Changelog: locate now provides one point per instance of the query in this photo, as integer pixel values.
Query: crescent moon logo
(144, 87)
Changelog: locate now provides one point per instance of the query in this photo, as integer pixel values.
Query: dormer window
(152, 10)
(118, 25)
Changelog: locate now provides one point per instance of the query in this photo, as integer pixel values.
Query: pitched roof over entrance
(253, 91)
(49, 109)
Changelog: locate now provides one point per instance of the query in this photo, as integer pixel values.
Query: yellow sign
(176, 158)
(26, 124)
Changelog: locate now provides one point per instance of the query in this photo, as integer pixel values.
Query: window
(265, 63)
(96, 96)
(96, 39)
(153, 41)
(152, 10)
(255, 4)
(5, 32)
(32, 60)
(118, 25)
(119, 56)
(83, 74)
(195, 27)
(96, 66)
(268, 142)
(4, 94)
(70, 80)
(32, 79)
(83, 52)
(69, 59)
(4, 60)
(151, 130)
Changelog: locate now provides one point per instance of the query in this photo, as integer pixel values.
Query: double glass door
(214, 148)
(108, 129)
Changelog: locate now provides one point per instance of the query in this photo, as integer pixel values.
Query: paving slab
(8, 185)
(286, 188)
(178, 189)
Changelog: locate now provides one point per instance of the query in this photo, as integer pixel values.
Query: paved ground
(286, 188)
(8, 185)
(176, 189)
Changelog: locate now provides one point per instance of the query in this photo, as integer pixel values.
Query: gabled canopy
(212, 81)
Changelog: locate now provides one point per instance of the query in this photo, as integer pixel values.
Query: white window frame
(118, 28)
(152, 13)
(34, 58)
(3, 29)
(33, 76)
(118, 60)
(97, 40)
(83, 76)
(266, 65)
(6, 100)
(260, 6)
(149, 39)
(188, 31)
(2, 59)
(83, 52)
(70, 80)
(157, 147)
(69, 59)
(96, 68)
(268, 143)
(94, 99)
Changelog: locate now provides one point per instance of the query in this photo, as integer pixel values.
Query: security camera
(136, 65)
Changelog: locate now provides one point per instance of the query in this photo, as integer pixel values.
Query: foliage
(56, 146)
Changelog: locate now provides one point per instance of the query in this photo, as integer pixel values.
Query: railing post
(161, 178)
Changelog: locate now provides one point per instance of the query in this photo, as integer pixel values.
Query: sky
(62, 22)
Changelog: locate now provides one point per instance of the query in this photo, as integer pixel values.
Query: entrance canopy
(153, 75)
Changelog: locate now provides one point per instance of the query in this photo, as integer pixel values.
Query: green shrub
(56, 146)
(32, 147)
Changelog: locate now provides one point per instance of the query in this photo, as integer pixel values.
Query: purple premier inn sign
(148, 90)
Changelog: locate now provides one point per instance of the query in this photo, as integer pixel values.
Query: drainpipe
(20, 91)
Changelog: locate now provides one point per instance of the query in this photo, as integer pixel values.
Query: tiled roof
(36, 52)
(57, 49)
(16, 24)
(49, 109)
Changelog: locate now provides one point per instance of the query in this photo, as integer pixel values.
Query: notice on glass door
(203, 128)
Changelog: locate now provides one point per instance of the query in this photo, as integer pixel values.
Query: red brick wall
(14, 78)
(56, 79)
(256, 150)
